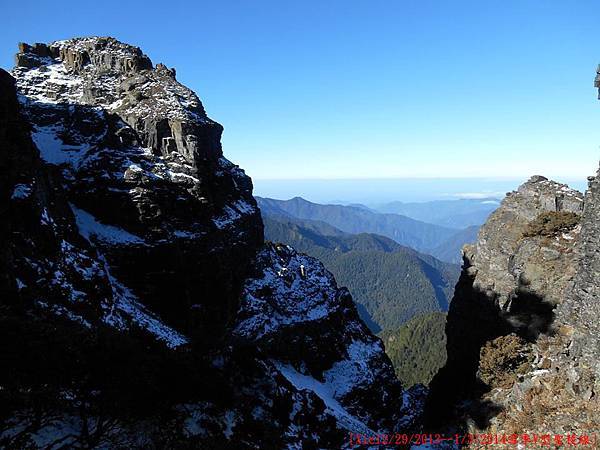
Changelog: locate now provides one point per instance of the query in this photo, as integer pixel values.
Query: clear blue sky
(345, 89)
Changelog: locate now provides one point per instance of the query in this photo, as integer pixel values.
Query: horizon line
(416, 177)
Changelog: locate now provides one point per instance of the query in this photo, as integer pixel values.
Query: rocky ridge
(140, 308)
(530, 365)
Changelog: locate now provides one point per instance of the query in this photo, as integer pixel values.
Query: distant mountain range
(389, 282)
(401, 293)
(443, 242)
(406, 231)
(461, 213)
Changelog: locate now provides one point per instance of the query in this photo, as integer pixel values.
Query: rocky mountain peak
(530, 284)
(505, 257)
(105, 73)
(541, 194)
(103, 54)
(141, 170)
(141, 307)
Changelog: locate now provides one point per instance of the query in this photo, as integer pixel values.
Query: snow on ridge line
(90, 227)
(60, 310)
(325, 392)
(39, 84)
(299, 298)
(52, 72)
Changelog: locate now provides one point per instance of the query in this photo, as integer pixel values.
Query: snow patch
(43, 84)
(125, 307)
(135, 168)
(233, 212)
(181, 234)
(244, 207)
(21, 191)
(178, 176)
(292, 298)
(53, 150)
(90, 228)
(227, 218)
(229, 420)
(60, 310)
(45, 219)
(73, 258)
(327, 394)
(357, 370)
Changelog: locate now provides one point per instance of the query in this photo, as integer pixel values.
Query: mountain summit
(138, 165)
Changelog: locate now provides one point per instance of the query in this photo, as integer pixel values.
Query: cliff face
(308, 332)
(522, 327)
(139, 307)
(140, 165)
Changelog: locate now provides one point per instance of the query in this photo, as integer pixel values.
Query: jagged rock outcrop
(508, 261)
(289, 316)
(139, 306)
(307, 333)
(300, 370)
(516, 358)
(141, 167)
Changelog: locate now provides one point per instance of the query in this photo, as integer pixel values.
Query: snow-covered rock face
(119, 78)
(136, 309)
(141, 166)
(293, 311)
(303, 369)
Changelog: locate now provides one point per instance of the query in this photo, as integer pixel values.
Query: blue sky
(377, 89)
